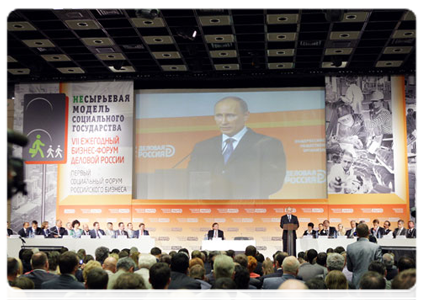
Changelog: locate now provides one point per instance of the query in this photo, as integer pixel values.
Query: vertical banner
(98, 172)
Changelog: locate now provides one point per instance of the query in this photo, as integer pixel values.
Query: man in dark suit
(386, 226)
(58, 231)
(411, 231)
(9, 231)
(289, 218)
(96, 233)
(278, 266)
(68, 264)
(25, 230)
(361, 253)
(328, 230)
(215, 232)
(178, 276)
(240, 163)
(400, 230)
(352, 232)
(86, 230)
(39, 273)
(35, 230)
(377, 231)
(121, 230)
(141, 231)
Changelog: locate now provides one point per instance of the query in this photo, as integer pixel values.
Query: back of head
(230, 253)
(336, 280)
(125, 263)
(53, 259)
(405, 263)
(166, 258)
(123, 254)
(311, 255)
(378, 267)
(155, 251)
(335, 261)
(101, 253)
(159, 275)
(241, 277)
(371, 281)
(241, 259)
(268, 266)
(252, 264)
(96, 279)
(68, 261)
(362, 230)
(23, 283)
(184, 250)
(89, 266)
(146, 261)
(290, 265)
(224, 283)
(223, 266)
(292, 290)
(129, 281)
(260, 257)
(14, 293)
(339, 249)
(388, 260)
(250, 251)
(404, 280)
(216, 294)
(196, 254)
(179, 263)
(316, 284)
(196, 261)
(38, 260)
(197, 271)
(12, 266)
(27, 255)
(321, 258)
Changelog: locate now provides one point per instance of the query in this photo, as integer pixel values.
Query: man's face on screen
(229, 116)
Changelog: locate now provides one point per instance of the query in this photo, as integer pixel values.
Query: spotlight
(147, 13)
(187, 33)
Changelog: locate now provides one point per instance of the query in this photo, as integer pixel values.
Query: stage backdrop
(95, 182)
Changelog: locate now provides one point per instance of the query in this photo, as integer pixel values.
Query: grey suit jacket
(308, 271)
(359, 256)
(275, 282)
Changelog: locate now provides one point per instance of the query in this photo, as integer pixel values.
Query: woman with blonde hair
(341, 229)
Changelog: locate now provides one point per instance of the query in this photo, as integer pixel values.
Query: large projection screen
(277, 149)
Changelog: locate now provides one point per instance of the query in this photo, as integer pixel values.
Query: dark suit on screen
(351, 233)
(398, 231)
(24, 233)
(37, 231)
(123, 232)
(411, 233)
(313, 233)
(285, 220)
(220, 234)
(182, 281)
(255, 169)
(9, 232)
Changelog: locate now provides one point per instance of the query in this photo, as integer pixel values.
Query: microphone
(22, 239)
(182, 160)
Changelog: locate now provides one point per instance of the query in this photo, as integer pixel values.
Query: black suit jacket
(62, 231)
(137, 233)
(63, 282)
(94, 235)
(398, 232)
(182, 281)
(255, 170)
(22, 233)
(313, 233)
(380, 232)
(284, 220)
(9, 232)
(39, 276)
(331, 232)
(411, 234)
(348, 233)
(37, 231)
(117, 233)
(219, 234)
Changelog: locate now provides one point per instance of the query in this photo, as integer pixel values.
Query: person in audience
(400, 230)
(405, 263)
(14, 293)
(316, 284)
(224, 283)
(88, 267)
(159, 276)
(157, 252)
(75, 232)
(377, 231)
(135, 255)
(58, 231)
(53, 261)
(128, 281)
(267, 267)
(279, 258)
(109, 231)
(109, 265)
(339, 249)
(309, 269)
(97, 232)
(231, 253)
(292, 289)
(252, 264)
(196, 261)
(302, 257)
(12, 269)
(131, 231)
(290, 267)
(411, 231)
(145, 262)
(141, 231)
(68, 265)
(26, 259)
(101, 253)
(184, 250)
(347, 273)
(124, 265)
(179, 269)
(379, 267)
(361, 253)
(321, 262)
(310, 231)
(39, 273)
(372, 281)
(329, 250)
(25, 230)
(336, 280)
(223, 266)
(328, 230)
(88, 258)
(35, 230)
(23, 283)
(198, 273)
(85, 230)
(215, 232)
(9, 231)
(96, 279)
(391, 269)
(352, 232)
(242, 278)
(341, 230)
(386, 226)
(166, 258)
(406, 285)
(252, 251)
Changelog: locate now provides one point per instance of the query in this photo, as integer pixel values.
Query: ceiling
(95, 44)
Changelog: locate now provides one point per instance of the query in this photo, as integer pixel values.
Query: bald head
(14, 293)
(39, 261)
(292, 289)
(110, 264)
(290, 265)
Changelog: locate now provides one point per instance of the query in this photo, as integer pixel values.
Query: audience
(12, 269)
(316, 284)
(405, 263)
(290, 267)
(198, 273)
(39, 273)
(109, 265)
(404, 280)
(391, 269)
(224, 283)
(371, 280)
(124, 265)
(96, 279)
(179, 270)
(159, 276)
(309, 269)
(23, 283)
(128, 281)
(88, 267)
(336, 280)
(379, 267)
(292, 284)
(144, 264)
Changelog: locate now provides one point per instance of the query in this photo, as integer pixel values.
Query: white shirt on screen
(237, 137)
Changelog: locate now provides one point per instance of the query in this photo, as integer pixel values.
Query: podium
(290, 227)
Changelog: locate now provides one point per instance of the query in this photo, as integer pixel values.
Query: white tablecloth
(238, 245)
(144, 245)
